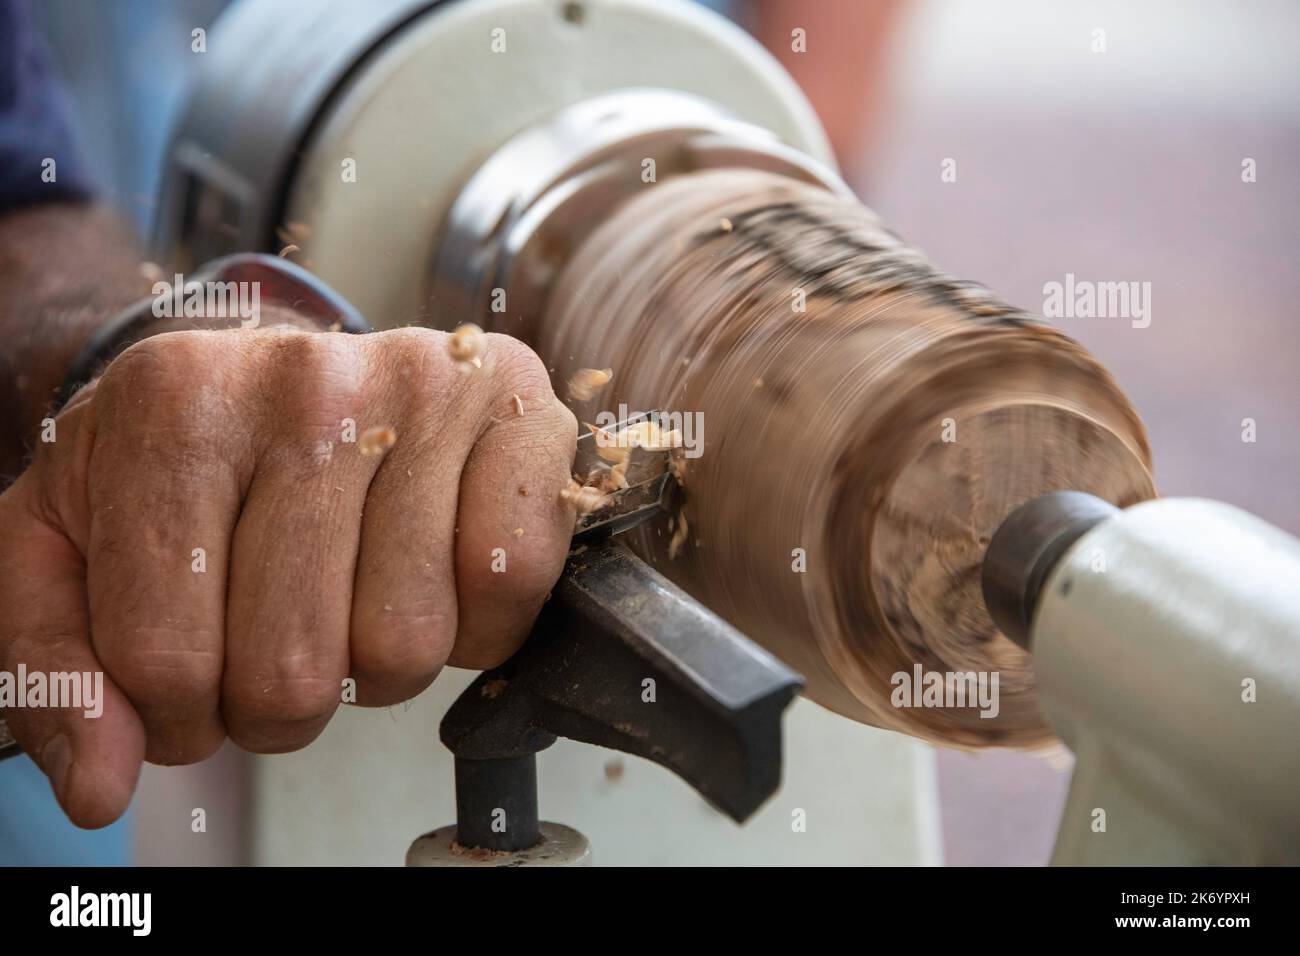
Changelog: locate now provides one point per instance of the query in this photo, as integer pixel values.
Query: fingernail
(56, 761)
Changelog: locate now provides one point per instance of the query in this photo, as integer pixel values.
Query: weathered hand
(204, 532)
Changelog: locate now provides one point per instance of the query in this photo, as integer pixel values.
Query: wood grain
(825, 430)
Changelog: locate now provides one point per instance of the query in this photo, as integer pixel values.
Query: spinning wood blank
(858, 405)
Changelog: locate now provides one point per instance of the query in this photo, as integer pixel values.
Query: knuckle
(296, 693)
(317, 378)
(566, 423)
(153, 410)
(151, 669)
(418, 364)
(158, 370)
(404, 650)
(514, 364)
(413, 346)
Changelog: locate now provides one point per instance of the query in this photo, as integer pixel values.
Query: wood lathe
(636, 185)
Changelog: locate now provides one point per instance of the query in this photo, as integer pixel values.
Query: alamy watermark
(133, 911)
(79, 690)
(689, 425)
(1084, 299)
(946, 689)
(212, 300)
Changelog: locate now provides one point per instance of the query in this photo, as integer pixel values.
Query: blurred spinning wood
(886, 429)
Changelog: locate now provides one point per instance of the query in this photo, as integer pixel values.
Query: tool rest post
(496, 803)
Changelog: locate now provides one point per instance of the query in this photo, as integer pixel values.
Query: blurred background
(1122, 166)
(1103, 139)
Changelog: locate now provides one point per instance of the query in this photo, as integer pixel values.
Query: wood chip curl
(465, 346)
(586, 382)
(376, 441)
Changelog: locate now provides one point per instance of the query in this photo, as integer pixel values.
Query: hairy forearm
(64, 269)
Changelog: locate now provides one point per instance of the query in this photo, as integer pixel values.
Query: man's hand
(202, 531)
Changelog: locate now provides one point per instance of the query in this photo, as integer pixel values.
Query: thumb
(91, 751)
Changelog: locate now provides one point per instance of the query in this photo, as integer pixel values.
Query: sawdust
(677, 465)
(586, 382)
(465, 346)
(680, 533)
(477, 854)
(617, 446)
(293, 232)
(583, 497)
(376, 441)
(616, 478)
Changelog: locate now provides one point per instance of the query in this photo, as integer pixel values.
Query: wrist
(63, 268)
(235, 292)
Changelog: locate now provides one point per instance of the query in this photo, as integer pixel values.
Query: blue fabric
(725, 7)
(34, 831)
(34, 124)
(128, 65)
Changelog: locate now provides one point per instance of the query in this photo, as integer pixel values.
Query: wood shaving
(518, 532)
(376, 441)
(616, 478)
(477, 854)
(465, 346)
(608, 480)
(655, 439)
(679, 537)
(289, 250)
(586, 382)
(519, 406)
(616, 446)
(677, 465)
(608, 446)
(294, 232)
(584, 498)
